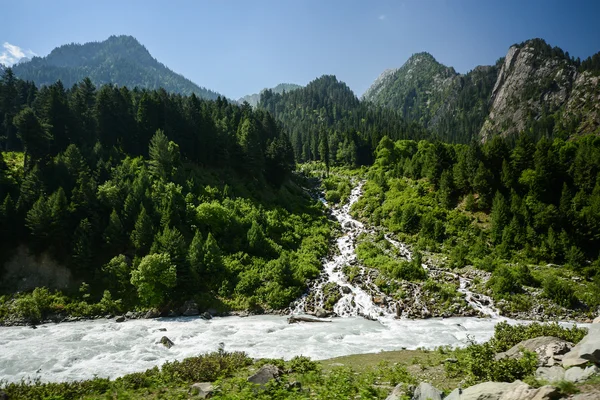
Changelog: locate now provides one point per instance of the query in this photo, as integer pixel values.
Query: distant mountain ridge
(535, 87)
(119, 60)
(254, 99)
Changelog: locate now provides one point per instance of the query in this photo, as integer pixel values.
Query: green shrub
(559, 291)
(302, 365)
(506, 335)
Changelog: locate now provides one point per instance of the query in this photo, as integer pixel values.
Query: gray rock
(322, 313)
(168, 343)
(130, 315)
(398, 392)
(548, 349)
(585, 396)
(120, 318)
(293, 385)
(426, 391)
(206, 315)
(190, 308)
(204, 390)
(501, 391)
(152, 313)
(589, 347)
(295, 319)
(213, 312)
(578, 374)
(550, 374)
(572, 359)
(265, 374)
(585, 351)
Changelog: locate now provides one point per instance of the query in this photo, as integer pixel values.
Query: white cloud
(382, 17)
(13, 54)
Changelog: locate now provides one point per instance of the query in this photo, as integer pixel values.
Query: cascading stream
(355, 301)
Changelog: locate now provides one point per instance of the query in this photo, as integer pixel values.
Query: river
(104, 348)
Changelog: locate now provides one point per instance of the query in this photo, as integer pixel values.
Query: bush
(506, 335)
(559, 291)
(302, 365)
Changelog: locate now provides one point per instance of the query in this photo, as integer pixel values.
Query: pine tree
(114, 234)
(500, 217)
(212, 257)
(142, 234)
(196, 256)
(83, 252)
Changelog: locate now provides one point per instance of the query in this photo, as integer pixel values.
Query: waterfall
(358, 299)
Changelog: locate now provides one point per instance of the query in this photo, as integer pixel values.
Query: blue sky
(238, 48)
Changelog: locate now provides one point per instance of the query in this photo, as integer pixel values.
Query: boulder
(589, 347)
(596, 320)
(168, 343)
(295, 319)
(398, 393)
(516, 390)
(426, 391)
(204, 390)
(190, 308)
(265, 374)
(548, 348)
(585, 351)
(572, 359)
(550, 374)
(206, 315)
(578, 374)
(212, 311)
(130, 315)
(322, 313)
(152, 313)
(120, 318)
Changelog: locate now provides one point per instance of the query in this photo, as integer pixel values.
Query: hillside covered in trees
(528, 213)
(151, 199)
(535, 87)
(119, 60)
(326, 117)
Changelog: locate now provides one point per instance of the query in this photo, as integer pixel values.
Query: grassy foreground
(366, 376)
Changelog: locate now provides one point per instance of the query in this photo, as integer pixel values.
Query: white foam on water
(82, 350)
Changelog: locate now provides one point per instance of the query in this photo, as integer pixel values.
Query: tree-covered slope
(326, 121)
(151, 199)
(254, 99)
(535, 88)
(119, 60)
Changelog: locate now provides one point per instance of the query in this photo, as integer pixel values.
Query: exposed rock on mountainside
(535, 87)
(530, 83)
(119, 60)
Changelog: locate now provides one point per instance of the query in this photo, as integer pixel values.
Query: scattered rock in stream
(165, 341)
(293, 319)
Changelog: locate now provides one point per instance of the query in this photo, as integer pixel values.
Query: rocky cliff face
(533, 84)
(528, 84)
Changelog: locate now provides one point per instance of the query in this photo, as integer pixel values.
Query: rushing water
(355, 300)
(81, 350)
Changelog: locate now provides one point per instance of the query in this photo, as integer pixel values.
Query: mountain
(535, 87)
(328, 109)
(119, 60)
(541, 88)
(253, 99)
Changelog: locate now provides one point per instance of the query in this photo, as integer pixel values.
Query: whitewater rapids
(82, 350)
